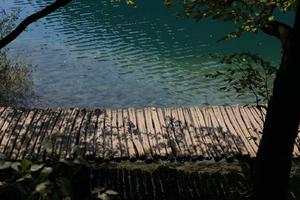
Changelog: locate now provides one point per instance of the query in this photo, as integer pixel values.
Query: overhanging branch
(274, 28)
(278, 30)
(30, 19)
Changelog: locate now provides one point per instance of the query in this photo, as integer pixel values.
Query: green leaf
(26, 177)
(111, 192)
(5, 165)
(98, 190)
(103, 196)
(45, 173)
(25, 165)
(36, 167)
(15, 166)
(42, 187)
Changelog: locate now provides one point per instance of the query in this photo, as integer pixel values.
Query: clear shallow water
(96, 54)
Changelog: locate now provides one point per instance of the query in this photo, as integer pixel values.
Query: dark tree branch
(278, 30)
(274, 28)
(30, 19)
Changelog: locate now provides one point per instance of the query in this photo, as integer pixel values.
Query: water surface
(94, 53)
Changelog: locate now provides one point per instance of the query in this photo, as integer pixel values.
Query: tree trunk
(273, 162)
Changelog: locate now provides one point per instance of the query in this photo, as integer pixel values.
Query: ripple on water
(97, 54)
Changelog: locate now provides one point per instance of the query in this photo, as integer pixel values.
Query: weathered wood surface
(195, 133)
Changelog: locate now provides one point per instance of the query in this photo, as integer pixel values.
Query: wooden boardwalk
(194, 133)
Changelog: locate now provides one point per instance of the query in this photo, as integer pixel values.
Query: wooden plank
(264, 109)
(171, 134)
(67, 132)
(232, 140)
(143, 132)
(243, 126)
(179, 135)
(254, 134)
(15, 134)
(222, 136)
(21, 137)
(171, 146)
(200, 134)
(132, 149)
(235, 130)
(99, 137)
(203, 132)
(82, 145)
(258, 112)
(199, 145)
(74, 136)
(208, 133)
(236, 137)
(108, 137)
(115, 137)
(258, 115)
(2, 108)
(297, 143)
(35, 134)
(254, 117)
(3, 117)
(53, 134)
(58, 132)
(31, 128)
(187, 136)
(10, 131)
(257, 127)
(161, 135)
(136, 135)
(7, 118)
(242, 130)
(122, 136)
(151, 133)
(41, 141)
(252, 126)
(296, 151)
(91, 136)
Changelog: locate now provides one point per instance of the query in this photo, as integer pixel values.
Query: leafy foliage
(58, 179)
(250, 15)
(246, 73)
(15, 79)
(7, 22)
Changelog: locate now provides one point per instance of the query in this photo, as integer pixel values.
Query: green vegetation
(56, 179)
(15, 79)
(250, 15)
(246, 73)
(65, 179)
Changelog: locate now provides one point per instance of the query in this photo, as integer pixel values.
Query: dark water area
(98, 54)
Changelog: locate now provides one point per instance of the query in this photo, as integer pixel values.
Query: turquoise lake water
(94, 53)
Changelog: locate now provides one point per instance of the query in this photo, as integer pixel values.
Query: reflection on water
(96, 54)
